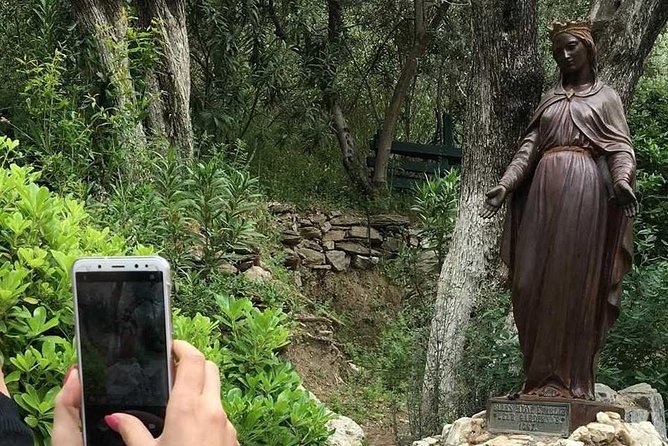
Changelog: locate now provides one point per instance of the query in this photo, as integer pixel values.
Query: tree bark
(627, 32)
(107, 22)
(505, 85)
(408, 72)
(356, 170)
(169, 113)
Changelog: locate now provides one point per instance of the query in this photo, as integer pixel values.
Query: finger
(132, 430)
(66, 421)
(3, 387)
(211, 390)
(189, 371)
(629, 210)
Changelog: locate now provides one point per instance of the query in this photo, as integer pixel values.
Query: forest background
(165, 126)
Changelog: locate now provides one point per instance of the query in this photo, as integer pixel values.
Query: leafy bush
(41, 235)
(492, 360)
(649, 122)
(436, 207)
(262, 393)
(636, 347)
(201, 213)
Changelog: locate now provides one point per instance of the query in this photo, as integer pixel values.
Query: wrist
(505, 186)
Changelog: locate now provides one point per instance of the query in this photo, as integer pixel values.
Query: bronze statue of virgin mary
(568, 238)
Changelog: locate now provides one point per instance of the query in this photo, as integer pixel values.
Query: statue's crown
(562, 27)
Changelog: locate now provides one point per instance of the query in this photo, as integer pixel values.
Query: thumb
(132, 430)
(494, 192)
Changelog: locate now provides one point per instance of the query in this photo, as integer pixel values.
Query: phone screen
(123, 350)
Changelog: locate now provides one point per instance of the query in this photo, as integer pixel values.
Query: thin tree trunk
(356, 170)
(170, 113)
(627, 32)
(505, 85)
(107, 22)
(408, 72)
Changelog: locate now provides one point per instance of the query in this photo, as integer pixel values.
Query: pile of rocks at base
(608, 430)
(641, 403)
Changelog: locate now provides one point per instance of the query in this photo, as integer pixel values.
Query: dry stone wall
(334, 241)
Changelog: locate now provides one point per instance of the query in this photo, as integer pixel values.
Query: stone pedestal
(547, 416)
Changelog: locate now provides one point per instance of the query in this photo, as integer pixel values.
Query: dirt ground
(348, 307)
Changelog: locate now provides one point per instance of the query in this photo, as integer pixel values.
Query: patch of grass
(364, 398)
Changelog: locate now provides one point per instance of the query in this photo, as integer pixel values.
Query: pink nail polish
(112, 421)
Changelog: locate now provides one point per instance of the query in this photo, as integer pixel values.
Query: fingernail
(68, 373)
(112, 421)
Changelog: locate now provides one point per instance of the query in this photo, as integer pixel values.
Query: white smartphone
(123, 334)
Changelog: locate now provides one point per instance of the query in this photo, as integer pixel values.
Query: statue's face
(570, 54)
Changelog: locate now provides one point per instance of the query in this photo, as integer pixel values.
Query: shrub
(636, 347)
(201, 214)
(436, 203)
(41, 234)
(262, 393)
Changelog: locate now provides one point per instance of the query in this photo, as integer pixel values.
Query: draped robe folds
(566, 241)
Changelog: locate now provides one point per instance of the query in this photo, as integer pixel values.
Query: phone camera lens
(99, 266)
(136, 266)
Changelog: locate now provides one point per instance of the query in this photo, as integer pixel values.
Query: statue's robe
(566, 241)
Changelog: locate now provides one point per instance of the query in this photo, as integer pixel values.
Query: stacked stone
(336, 241)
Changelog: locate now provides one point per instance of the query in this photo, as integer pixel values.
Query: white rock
(346, 432)
(649, 399)
(429, 441)
(446, 430)
(258, 274)
(605, 394)
(459, 432)
(567, 442)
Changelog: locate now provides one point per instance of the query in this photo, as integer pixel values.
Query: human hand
(66, 419)
(495, 198)
(3, 387)
(195, 413)
(626, 199)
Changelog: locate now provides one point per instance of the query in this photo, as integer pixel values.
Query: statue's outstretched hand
(626, 199)
(495, 198)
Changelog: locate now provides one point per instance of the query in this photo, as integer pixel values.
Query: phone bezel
(117, 264)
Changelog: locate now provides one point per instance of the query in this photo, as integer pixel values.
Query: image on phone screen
(123, 350)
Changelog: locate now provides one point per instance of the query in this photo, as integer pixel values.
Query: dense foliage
(42, 234)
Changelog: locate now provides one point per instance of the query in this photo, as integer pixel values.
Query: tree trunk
(627, 32)
(170, 112)
(356, 170)
(408, 72)
(505, 85)
(107, 22)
